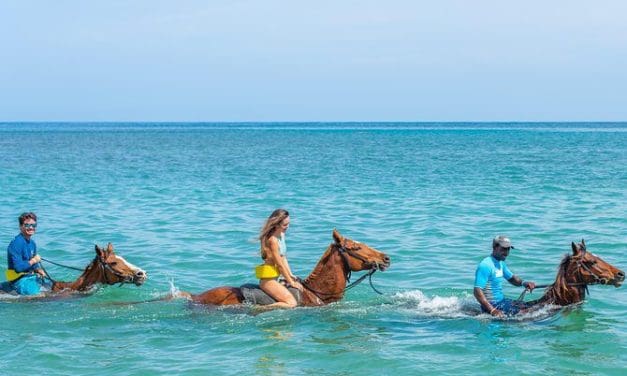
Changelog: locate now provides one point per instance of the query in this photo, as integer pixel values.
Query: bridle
(580, 264)
(345, 253)
(106, 267)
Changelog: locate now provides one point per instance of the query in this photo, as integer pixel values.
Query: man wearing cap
(489, 279)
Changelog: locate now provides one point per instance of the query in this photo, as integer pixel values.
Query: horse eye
(114, 263)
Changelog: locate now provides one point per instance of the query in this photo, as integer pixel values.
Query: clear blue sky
(232, 60)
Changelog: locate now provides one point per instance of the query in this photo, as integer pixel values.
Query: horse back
(224, 295)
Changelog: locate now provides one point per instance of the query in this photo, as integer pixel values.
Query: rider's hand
(35, 259)
(497, 313)
(40, 272)
(529, 285)
(297, 285)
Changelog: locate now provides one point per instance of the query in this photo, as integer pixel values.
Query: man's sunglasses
(30, 225)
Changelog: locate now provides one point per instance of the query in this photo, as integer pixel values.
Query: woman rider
(273, 253)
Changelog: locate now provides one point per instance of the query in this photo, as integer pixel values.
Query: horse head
(591, 269)
(115, 269)
(359, 256)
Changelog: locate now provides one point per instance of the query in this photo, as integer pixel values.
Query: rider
(24, 271)
(489, 277)
(273, 253)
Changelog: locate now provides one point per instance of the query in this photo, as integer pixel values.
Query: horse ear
(99, 251)
(337, 237)
(583, 242)
(109, 248)
(576, 249)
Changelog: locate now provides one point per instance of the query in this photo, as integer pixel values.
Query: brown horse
(106, 268)
(576, 272)
(326, 283)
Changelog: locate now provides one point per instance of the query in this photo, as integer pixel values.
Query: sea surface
(186, 201)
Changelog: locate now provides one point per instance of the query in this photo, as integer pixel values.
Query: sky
(310, 61)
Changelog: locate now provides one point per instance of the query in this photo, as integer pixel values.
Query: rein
(61, 265)
(103, 265)
(56, 263)
(347, 274)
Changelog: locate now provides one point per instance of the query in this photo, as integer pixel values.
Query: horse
(326, 283)
(106, 268)
(575, 273)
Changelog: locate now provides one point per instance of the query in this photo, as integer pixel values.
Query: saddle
(253, 294)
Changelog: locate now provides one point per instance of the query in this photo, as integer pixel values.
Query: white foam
(460, 307)
(437, 306)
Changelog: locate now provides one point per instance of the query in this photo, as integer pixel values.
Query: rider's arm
(478, 292)
(19, 264)
(516, 281)
(280, 261)
(287, 267)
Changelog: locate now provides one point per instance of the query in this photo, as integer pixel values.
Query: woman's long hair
(273, 221)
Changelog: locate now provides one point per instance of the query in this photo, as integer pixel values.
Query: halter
(347, 274)
(107, 267)
(582, 265)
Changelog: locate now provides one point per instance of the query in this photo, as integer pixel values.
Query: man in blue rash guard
(24, 272)
(489, 277)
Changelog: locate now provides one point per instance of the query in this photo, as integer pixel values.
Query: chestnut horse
(326, 283)
(576, 272)
(106, 268)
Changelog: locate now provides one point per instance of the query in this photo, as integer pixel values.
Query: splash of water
(461, 307)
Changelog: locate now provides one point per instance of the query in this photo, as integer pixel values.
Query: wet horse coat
(576, 272)
(325, 284)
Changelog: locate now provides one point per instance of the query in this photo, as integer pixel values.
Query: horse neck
(328, 279)
(566, 289)
(91, 275)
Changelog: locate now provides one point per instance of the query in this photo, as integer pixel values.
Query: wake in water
(453, 307)
(45, 295)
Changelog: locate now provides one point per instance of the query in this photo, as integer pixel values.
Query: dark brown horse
(326, 283)
(106, 268)
(576, 272)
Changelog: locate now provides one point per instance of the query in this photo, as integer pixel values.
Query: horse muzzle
(383, 265)
(139, 277)
(618, 279)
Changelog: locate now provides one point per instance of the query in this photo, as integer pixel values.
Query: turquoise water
(185, 203)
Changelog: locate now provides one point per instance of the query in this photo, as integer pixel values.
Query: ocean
(185, 202)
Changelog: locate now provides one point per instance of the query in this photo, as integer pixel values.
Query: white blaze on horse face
(134, 268)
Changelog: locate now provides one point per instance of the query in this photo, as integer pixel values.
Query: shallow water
(185, 202)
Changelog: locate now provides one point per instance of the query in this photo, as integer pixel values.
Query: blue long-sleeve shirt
(19, 252)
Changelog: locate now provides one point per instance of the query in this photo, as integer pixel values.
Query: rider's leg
(27, 285)
(280, 293)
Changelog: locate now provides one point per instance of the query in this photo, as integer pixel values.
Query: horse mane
(325, 277)
(320, 265)
(559, 292)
